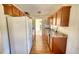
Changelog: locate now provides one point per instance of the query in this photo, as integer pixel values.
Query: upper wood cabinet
(15, 11)
(61, 17)
(21, 13)
(8, 9)
(49, 20)
(12, 10)
(55, 19)
(65, 15)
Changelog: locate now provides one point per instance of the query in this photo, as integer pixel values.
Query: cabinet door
(45, 36)
(55, 19)
(51, 42)
(65, 16)
(59, 17)
(48, 21)
(11, 10)
(8, 9)
(59, 45)
(51, 20)
(20, 13)
(15, 11)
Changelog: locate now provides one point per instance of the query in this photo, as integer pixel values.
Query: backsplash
(64, 30)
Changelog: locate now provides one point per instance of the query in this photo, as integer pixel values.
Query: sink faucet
(56, 29)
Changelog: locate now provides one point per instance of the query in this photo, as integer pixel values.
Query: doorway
(38, 26)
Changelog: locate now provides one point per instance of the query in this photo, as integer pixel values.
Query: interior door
(17, 34)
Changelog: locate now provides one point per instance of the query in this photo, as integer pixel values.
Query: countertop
(53, 33)
(57, 34)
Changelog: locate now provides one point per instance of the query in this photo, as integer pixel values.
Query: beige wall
(4, 47)
(1, 13)
(72, 30)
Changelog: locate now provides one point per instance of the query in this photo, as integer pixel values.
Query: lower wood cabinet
(58, 45)
(50, 44)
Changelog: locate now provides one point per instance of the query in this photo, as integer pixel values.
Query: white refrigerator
(19, 34)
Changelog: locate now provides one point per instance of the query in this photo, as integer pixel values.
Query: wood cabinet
(21, 14)
(15, 11)
(46, 36)
(65, 15)
(50, 44)
(8, 9)
(55, 19)
(51, 20)
(12, 10)
(59, 17)
(62, 16)
(59, 45)
(48, 20)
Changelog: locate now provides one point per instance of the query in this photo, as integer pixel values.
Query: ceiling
(39, 10)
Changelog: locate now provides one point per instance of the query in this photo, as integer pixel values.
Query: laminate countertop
(53, 33)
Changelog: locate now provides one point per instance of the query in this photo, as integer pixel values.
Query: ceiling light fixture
(39, 12)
